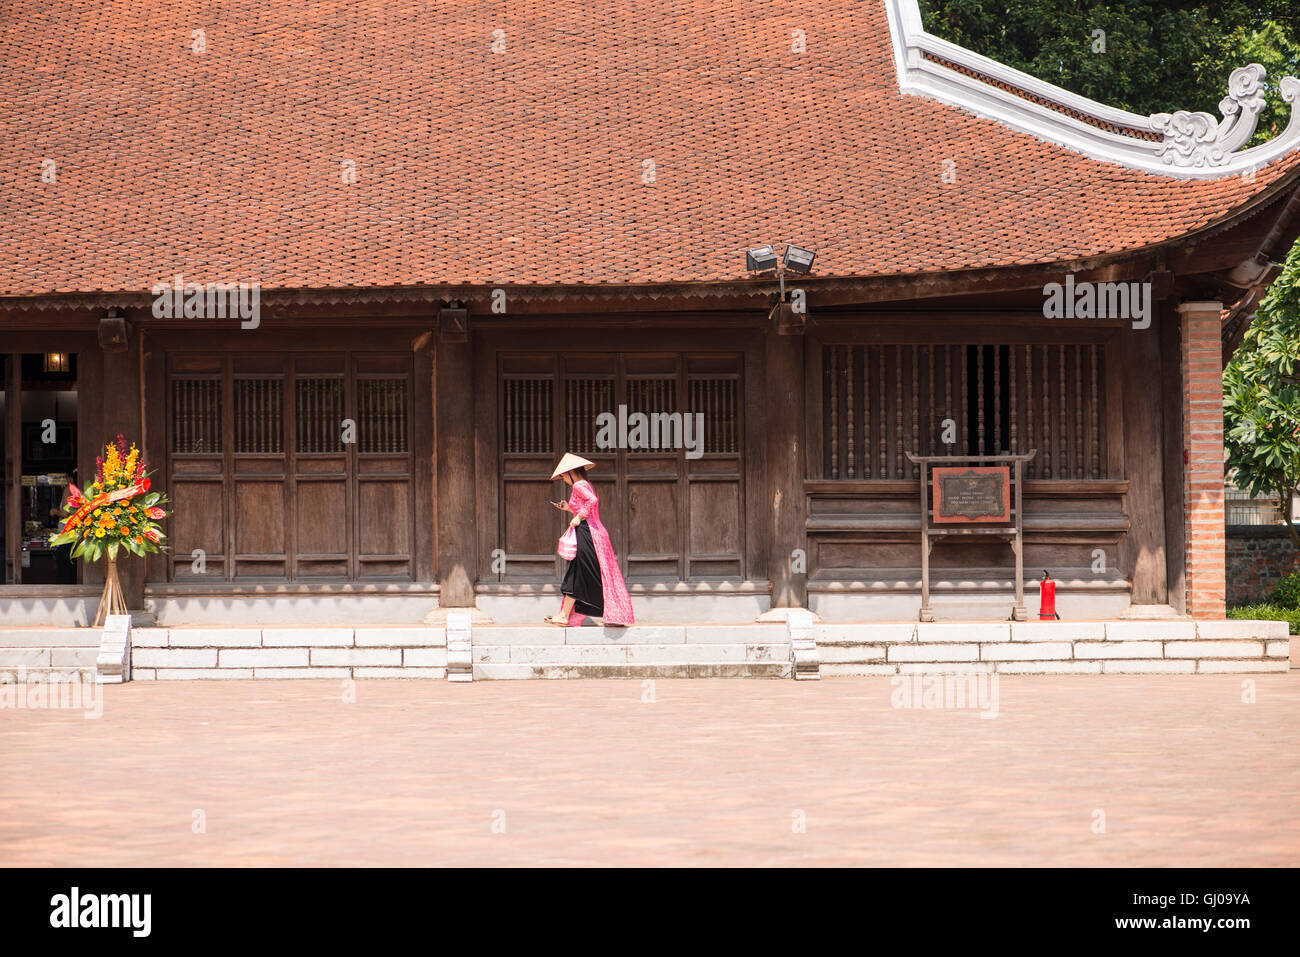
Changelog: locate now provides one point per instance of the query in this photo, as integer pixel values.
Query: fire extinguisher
(1047, 598)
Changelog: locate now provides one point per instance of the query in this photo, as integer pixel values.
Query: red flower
(151, 534)
(155, 512)
(75, 499)
(144, 485)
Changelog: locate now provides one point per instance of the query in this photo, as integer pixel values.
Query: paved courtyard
(1176, 770)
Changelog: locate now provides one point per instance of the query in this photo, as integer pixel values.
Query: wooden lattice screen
(881, 401)
(196, 415)
(527, 407)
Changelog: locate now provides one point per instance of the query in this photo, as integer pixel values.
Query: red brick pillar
(1202, 379)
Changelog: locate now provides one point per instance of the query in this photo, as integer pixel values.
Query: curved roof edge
(1180, 145)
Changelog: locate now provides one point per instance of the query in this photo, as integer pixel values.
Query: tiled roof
(523, 166)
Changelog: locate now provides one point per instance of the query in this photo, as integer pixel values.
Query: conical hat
(569, 463)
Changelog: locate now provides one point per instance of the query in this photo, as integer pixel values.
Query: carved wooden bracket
(113, 332)
(453, 324)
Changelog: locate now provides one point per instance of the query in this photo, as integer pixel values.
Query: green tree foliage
(1158, 56)
(1261, 397)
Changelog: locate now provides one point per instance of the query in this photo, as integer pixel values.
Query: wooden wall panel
(297, 501)
(320, 511)
(259, 519)
(385, 525)
(197, 522)
(547, 403)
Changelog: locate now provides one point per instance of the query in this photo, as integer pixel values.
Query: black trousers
(582, 579)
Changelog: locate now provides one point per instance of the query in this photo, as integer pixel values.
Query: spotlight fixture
(798, 260)
(760, 259)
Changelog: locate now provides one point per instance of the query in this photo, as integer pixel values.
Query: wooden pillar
(784, 386)
(454, 434)
(1202, 381)
(1171, 344)
(13, 460)
(120, 401)
(426, 465)
(1143, 548)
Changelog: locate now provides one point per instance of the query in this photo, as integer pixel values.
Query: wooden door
(673, 513)
(290, 467)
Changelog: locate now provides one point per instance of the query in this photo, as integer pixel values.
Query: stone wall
(1055, 647)
(1258, 556)
(361, 652)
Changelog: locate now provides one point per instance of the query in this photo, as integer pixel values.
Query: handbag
(568, 544)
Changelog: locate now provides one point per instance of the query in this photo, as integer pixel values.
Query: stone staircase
(640, 651)
(797, 647)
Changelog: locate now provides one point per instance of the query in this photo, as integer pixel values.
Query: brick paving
(712, 772)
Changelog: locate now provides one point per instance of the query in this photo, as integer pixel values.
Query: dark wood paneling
(545, 403)
(870, 531)
(285, 497)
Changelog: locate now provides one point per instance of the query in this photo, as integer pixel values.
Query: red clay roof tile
(526, 166)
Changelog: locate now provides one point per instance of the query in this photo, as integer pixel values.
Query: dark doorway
(39, 410)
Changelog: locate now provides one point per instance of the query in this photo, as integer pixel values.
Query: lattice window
(527, 406)
(655, 396)
(584, 400)
(717, 398)
(318, 411)
(196, 415)
(381, 415)
(259, 415)
(881, 401)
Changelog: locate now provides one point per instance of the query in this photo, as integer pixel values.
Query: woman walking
(593, 585)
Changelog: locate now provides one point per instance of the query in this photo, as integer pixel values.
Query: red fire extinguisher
(1047, 598)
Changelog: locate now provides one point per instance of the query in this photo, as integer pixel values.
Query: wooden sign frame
(1009, 527)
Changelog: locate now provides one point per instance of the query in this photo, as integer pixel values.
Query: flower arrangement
(117, 511)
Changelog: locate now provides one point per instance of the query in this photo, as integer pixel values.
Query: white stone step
(750, 669)
(640, 651)
(667, 634)
(637, 654)
(36, 637)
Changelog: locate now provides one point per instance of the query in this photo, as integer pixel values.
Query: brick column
(1202, 380)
